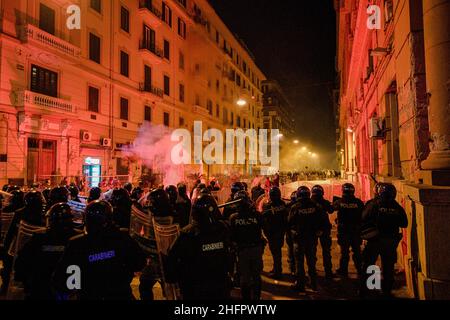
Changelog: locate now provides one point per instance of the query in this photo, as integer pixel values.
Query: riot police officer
(172, 192)
(43, 251)
(305, 223)
(257, 192)
(94, 194)
(31, 213)
(183, 206)
(121, 202)
(231, 209)
(275, 216)
(73, 192)
(159, 203)
(385, 217)
(349, 212)
(57, 195)
(199, 260)
(107, 258)
(129, 187)
(246, 233)
(289, 241)
(15, 202)
(317, 194)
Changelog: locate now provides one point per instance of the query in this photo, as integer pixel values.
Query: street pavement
(337, 289)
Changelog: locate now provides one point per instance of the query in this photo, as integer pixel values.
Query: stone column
(437, 60)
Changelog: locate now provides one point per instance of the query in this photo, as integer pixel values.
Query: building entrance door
(41, 160)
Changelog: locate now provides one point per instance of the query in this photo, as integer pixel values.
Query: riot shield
(165, 235)
(6, 219)
(141, 230)
(24, 234)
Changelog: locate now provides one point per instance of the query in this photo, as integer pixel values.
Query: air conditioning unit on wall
(376, 129)
(86, 136)
(106, 142)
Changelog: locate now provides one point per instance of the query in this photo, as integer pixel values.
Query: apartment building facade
(72, 100)
(394, 125)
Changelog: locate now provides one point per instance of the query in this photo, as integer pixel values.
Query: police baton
(226, 204)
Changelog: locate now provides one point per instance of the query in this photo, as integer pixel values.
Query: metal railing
(152, 47)
(36, 34)
(151, 89)
(32, 98)
(145, 4)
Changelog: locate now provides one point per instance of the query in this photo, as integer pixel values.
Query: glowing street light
(314, 155)
(304, 149)
(296, 141)
(280, 135)
(241, 102)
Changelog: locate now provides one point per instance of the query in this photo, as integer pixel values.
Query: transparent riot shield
(141, 230)
(6, 219)
(165, 235)
(24, 234)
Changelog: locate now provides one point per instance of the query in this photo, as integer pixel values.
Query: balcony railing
(28, 98)
(35, 34)
(145, 4)
(152, 47)
(151, 89)
(200, 110)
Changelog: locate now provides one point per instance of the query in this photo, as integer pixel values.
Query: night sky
(294, 42)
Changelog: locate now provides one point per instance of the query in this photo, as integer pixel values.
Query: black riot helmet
(245, 204)
(182, 189)
(16, 201)
(205, 191)
(5, 187)
(348, 190)
(73, 191)
(94, 194)
(119, 197)
(59, 215)
(388, 192)
(377, 188)
(172, 192)
(303, 192)
(204, 210)
(128, 186)
(98, 216)
(201, 186)
(294, 196)
(46, 194)
(317, 191)
(12, 188)
(236, 186)
(33, 199)
(159, 202)
(137, 193)
(275, 194)
(58, 194)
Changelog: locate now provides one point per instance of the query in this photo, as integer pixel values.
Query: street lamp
(280, 135)
(241, 102)
(296, 141)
